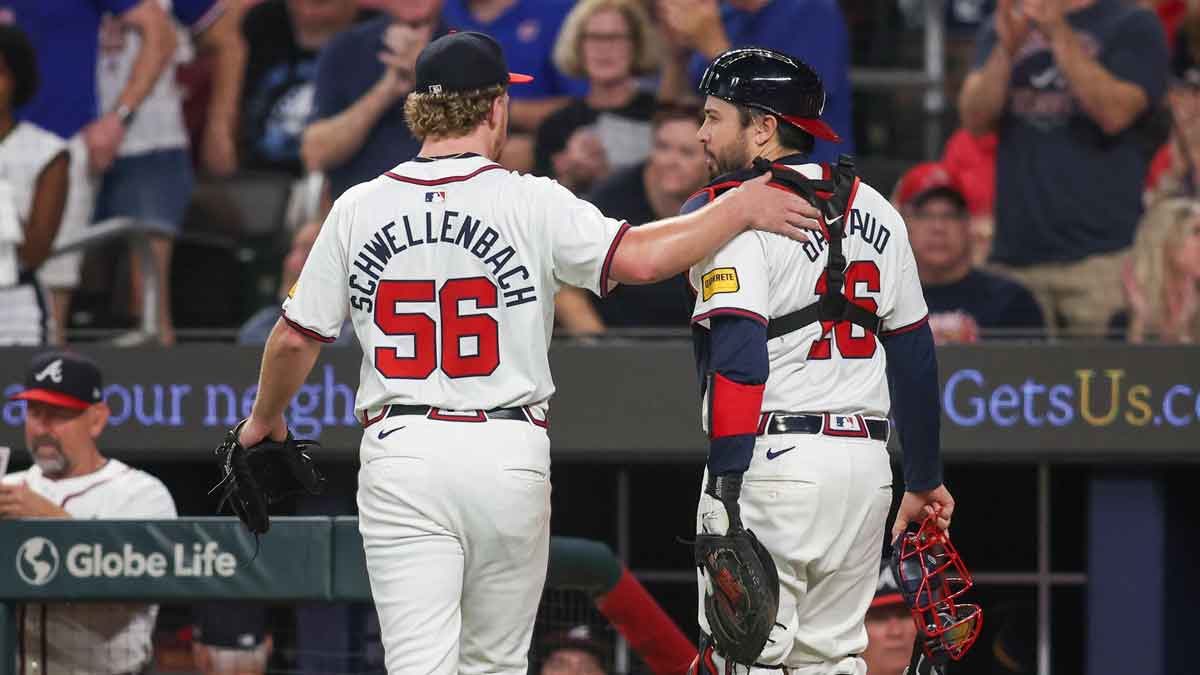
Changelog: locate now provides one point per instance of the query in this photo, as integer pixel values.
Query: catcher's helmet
(772, 82)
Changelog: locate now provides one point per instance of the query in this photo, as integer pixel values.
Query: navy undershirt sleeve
(738, 349)
(916, 405)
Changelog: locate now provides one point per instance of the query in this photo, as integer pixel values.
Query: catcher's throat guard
(932, 577)
(254, 478)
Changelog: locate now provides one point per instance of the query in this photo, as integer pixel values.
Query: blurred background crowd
(165, 164)
(165, 167)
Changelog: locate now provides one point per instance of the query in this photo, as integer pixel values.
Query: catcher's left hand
(263, 474)
(741, 598)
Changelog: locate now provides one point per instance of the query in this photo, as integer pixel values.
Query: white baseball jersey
(759, 275)
(448, 270)
(24, 154)
(159, 123)
(93, 637)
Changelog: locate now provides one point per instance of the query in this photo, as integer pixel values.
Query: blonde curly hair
(568, 49)
(1166, 224)
(451, 114)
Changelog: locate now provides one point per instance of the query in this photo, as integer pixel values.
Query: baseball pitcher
(794, 343)
(447, 266)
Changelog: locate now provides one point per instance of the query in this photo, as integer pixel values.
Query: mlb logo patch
(435, 197)
(844, 423)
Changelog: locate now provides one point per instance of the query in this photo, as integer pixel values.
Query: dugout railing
(301, 559)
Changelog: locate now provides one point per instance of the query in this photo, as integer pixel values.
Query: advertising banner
(632, 401)
(165, 559)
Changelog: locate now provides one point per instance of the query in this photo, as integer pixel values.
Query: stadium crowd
(1063, 205)
(224, 129)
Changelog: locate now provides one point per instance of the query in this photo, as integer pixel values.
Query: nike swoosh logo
(384, 434)
(772, 454)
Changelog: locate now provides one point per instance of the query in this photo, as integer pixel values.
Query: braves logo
(52, 371)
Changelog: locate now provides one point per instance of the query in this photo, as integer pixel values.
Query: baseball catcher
(794, 346)
(263, 474)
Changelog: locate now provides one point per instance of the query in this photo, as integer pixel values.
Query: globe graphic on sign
(37, 561)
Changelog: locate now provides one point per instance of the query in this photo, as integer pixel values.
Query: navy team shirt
(347, 69)
(1064, 189)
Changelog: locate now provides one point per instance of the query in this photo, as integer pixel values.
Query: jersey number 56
(470, 342)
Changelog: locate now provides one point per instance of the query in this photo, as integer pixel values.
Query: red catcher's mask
(932, 577)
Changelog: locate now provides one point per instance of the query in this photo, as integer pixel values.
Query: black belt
(830, 424)
(520, 414)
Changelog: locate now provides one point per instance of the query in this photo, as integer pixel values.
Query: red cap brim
(815, 127)
(887, 599)
(53, 398)
(518, 78)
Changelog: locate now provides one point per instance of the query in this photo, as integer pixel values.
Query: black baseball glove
(263, 474)
(742, 594)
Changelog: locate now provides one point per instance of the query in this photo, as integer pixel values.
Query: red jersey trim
(73, 495)
(731, 311)
(612, 251)
(308, 332)
(442, 181)
(905, 329)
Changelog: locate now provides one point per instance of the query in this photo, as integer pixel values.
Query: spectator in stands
(813, 31)
(641, 194)
(962, 300)
(1162, 276)
(1173, 170)
(890, 628)
(33, 192)
(609, 43)
(258, 327)
(65, 36)
(151, 179)
(284, 39)
(71, 478)
(972, 161)
(527, 31)
(1071, 87)
(231, 639)
(574, 652)
(363, 76)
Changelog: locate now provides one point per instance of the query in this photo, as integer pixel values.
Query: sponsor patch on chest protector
(720, 280)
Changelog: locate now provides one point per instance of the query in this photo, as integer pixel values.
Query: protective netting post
(8, 639)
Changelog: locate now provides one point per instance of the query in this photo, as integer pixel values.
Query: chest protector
(833, 196)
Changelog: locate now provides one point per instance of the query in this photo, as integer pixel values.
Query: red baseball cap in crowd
(463, 62)
(887, 591)
(925, 180)
(62, 379)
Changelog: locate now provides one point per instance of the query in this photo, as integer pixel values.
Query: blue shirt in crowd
(813, 31)
(1065, 190)
(196, 15)
(65, 34)
(349, 66)
(526, 31)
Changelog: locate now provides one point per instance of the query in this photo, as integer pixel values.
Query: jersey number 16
(849, 346)
(459, 331)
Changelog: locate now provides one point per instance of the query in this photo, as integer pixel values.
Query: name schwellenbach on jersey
(395, 238)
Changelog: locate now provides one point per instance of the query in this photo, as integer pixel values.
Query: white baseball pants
(819, 509)
(455, 520)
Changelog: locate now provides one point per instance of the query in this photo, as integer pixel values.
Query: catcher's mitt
(264, 474)
(741, 598)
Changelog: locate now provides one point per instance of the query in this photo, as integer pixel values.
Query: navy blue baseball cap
(463, 62)
(62, 379)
